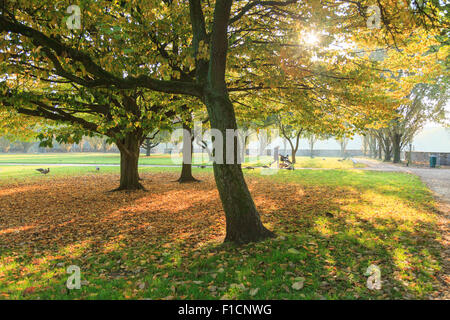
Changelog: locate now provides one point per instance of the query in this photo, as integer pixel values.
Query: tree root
(140, 187)
(187, 180)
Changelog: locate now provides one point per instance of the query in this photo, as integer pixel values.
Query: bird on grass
(43, 171)
(97, 168)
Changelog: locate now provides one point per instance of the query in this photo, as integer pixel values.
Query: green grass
(163, 159)
(381, 218)
(315, 163)
(87, 158)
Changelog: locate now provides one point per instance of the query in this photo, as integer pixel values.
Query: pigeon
(43, 171)
(97, 168)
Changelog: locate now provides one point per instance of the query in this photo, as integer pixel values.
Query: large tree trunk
(294, 148)
(27, 146)
(129, 157)
(186, 170)
(243, 223)
(387, 150)
(312, 141)
(373, 146)
(293, 152)
(387, 156)
(380, 144)
(396, 147)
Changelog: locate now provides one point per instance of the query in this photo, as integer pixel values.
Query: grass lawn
(161, 159)
(166, 243)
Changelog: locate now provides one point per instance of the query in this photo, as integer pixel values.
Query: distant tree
(343, 142)
(312, 138)
(384, 144)
(27, 145)
(292, 134)
(5, 145)
(186, 119)
(66, 147)
(426, 103)
(150, 143)
(96, 142)
(125, 117)
(365, 144)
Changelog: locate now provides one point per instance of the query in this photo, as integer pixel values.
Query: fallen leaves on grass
(76, 219)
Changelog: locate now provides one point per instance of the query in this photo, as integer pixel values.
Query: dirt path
(438, 180)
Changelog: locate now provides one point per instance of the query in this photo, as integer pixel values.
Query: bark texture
(129, 157)
(396, 140)
(186, 168)
(243, 223)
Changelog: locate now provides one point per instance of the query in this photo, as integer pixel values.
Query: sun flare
(310, 38)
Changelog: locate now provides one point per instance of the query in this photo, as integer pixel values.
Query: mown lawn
(90, 158)
(166, 243)
(163, 159)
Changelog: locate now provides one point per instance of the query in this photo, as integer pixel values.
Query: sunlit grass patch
(308, 162)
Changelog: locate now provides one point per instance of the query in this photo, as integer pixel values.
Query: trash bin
(433, 160)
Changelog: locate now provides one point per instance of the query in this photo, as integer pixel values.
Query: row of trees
(136, 66)
(426, 103)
